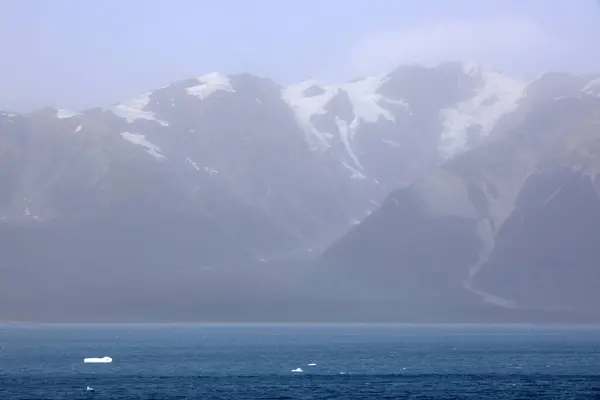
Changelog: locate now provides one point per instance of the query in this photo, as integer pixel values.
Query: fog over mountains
(446, 193)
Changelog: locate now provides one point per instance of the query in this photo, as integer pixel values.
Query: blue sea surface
(256, 362)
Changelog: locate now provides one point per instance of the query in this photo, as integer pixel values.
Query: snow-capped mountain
(311, 158)
(513, 223)
(223, 170)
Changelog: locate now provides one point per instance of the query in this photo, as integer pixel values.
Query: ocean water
(255, 362)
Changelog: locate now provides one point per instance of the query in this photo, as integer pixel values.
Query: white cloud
(501, 42)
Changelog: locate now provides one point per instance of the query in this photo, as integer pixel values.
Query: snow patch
(485, 232)
(140, 140)
(306, 107)
(364, 100)
(545, 203)
(478, 111)
(356, 174)
(9, 117)
(193, 164)
(346, 135)
(391, 143)
(400, 103)
(78, 129)
(592, 87)
(62, 114)
(134, 109)
(209, 84)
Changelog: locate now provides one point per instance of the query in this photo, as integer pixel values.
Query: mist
(64, 54)
(382, 162)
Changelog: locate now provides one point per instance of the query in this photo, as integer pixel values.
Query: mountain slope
(299, 164)
(185, 184)
(512, 222)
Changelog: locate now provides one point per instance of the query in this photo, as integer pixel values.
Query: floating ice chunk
(89, 389)
(297, 370)
(103, 360)
(312, 365)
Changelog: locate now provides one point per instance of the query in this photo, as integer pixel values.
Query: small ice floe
(297, 370)
(94, 360)
(312, 365)
(89, 389)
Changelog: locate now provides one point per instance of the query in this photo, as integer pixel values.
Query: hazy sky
(81, 53)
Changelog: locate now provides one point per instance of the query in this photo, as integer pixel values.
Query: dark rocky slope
(514, 223)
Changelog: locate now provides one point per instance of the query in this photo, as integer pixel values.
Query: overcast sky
(81, 53)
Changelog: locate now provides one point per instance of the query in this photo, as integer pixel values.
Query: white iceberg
(297, 370)
(89, 389)
(94, 360)
(312, 365)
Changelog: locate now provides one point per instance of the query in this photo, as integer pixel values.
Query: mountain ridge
(198, 178)
(464, 209)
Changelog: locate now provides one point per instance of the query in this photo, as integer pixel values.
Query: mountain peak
(62, 113)
(209, 84)
(311, 99)
(228, 170)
